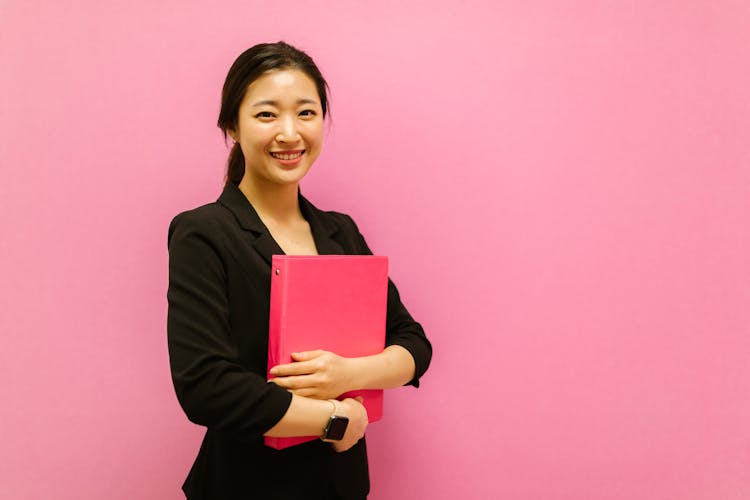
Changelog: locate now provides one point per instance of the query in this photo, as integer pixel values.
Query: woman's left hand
(314, 374)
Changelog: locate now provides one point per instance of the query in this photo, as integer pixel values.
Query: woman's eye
(264, 114)
(308, 112)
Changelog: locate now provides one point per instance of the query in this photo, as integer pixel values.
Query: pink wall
(563, 189)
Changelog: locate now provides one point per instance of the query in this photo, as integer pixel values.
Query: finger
(294, 382)
(307, 355)
(299, 368)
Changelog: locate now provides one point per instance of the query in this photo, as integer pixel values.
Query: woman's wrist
(391, 368)
(336, 409)
(304, 417)
(356, 426)
(350, 376)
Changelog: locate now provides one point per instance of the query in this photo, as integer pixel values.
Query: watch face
(336, 428)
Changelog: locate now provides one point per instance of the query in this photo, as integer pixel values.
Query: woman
(274, 103)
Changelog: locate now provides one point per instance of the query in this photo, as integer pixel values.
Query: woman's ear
(232, 134)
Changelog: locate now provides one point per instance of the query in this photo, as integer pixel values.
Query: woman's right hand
(355, 430)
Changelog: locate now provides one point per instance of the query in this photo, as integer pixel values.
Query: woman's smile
(288, 158)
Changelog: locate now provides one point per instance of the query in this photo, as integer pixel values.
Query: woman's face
(279, 127)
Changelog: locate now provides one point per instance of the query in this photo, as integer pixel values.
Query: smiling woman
(274, 104)
(279, 129)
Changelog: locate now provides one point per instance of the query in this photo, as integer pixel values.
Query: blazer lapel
(248, 219)
(324, 228)
(267, 246)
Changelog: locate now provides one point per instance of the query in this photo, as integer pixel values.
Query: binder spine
(280, 269)
(278, 273)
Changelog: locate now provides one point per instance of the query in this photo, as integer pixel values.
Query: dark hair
(247, 68)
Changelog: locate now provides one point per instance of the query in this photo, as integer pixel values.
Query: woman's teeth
(282, 156)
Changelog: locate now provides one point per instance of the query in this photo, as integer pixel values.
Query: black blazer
(219, 284)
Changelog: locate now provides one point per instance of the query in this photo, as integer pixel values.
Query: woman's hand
(355, 431)
(315, 374)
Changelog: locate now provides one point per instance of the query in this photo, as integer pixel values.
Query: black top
(219, 287)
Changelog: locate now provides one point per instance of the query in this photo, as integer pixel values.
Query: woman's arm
(212, 385)
(324, 375)
(391, 368)
(309, 417)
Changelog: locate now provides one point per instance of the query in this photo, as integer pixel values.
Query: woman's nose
(288, 131)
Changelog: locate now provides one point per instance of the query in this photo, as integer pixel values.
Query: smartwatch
(336, 427)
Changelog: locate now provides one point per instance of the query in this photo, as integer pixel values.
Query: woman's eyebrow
(268, 102)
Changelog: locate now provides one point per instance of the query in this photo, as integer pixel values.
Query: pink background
(563, 189)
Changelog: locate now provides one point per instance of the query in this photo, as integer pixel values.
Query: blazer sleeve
(401, 329)
(213, 388)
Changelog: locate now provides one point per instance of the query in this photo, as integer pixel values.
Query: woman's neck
(276, 204)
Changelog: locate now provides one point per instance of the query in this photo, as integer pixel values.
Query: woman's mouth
(288, 157)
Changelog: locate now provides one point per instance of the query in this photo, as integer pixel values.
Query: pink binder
(332, 302)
